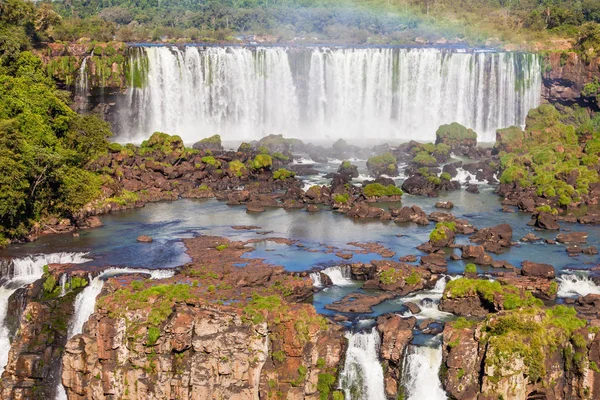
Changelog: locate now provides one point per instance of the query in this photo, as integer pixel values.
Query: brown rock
(537, 269)
(572, 237)
(547, 221)
(144, 239)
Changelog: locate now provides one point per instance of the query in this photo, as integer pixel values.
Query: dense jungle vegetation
(356, 21)
(44, 145)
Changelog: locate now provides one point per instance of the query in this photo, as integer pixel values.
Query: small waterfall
(420, 375)
(82, 86)
(63, 284)
(340, 275)
(85, 302)
(25, 271)
(362, 376)
(316, 278)
(245, 93)
(573, 285)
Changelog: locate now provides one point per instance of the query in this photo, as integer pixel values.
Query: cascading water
(85, 302)
(362, 376)
(340, 275)
(573, 285)
(82, 86)
(420, 375)
(320, 93)
(25, 271)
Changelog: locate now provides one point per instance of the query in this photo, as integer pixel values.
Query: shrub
(283, 174)
(470, 269)
(237, 168)
(378, 190)
(262, 161)
(341, 198)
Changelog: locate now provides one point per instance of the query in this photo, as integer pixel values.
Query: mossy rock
(162, 142)
(455, 134)
(212, 143)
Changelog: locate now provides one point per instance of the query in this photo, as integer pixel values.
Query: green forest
(361, 21)
(44, 144)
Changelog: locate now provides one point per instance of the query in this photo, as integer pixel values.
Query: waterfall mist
(244, 93)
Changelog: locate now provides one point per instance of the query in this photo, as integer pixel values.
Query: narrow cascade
(316, 278)
(85, 302)
(340, 275)
(25, 271)
(573, 285)
(244, 93)
(420, 375)
(86, 299)
(82, 86)
(362, 376)
(63, 284)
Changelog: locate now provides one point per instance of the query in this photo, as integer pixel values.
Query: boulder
(537, 270)
(546, 221)
(144, 239)
(572, 237)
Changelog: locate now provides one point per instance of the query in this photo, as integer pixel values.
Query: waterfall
(420, 375)
(362, 376)
(86, 299)
(324, 93)
(340, 275)
(25, 271)
(82, 86)
(85, 302)
(573, 285)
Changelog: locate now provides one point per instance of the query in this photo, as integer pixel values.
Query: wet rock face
(35, 354)
(396, 333)
(566, 77)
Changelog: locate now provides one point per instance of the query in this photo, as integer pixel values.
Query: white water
(420, 373)
(86, 299)
(464, 176)
(340, 276)
(572, 285)
(319, 93)
(85, 302)
(362, 376)
(25, 271)
(82, 86)
(431, 308)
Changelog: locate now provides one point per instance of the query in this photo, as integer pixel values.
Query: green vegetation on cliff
(531, 335)
(508, 297)
(557, 154)
(44, 146)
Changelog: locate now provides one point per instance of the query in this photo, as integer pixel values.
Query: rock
(495, 238)
(212, 143)
(144, 239)
(472, 189)
(537, 269)
(572, 237)
(312, 208)
(470, 251)
(444, 204)
(412, 307)
(530, 237)
(434, 259)
(254, 206)
(546, 221)
(592, 250)
(409, 258)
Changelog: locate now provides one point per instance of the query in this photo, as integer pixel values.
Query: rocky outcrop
(396, 333)
(515, 354)
(34, 359)
(565, 77)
